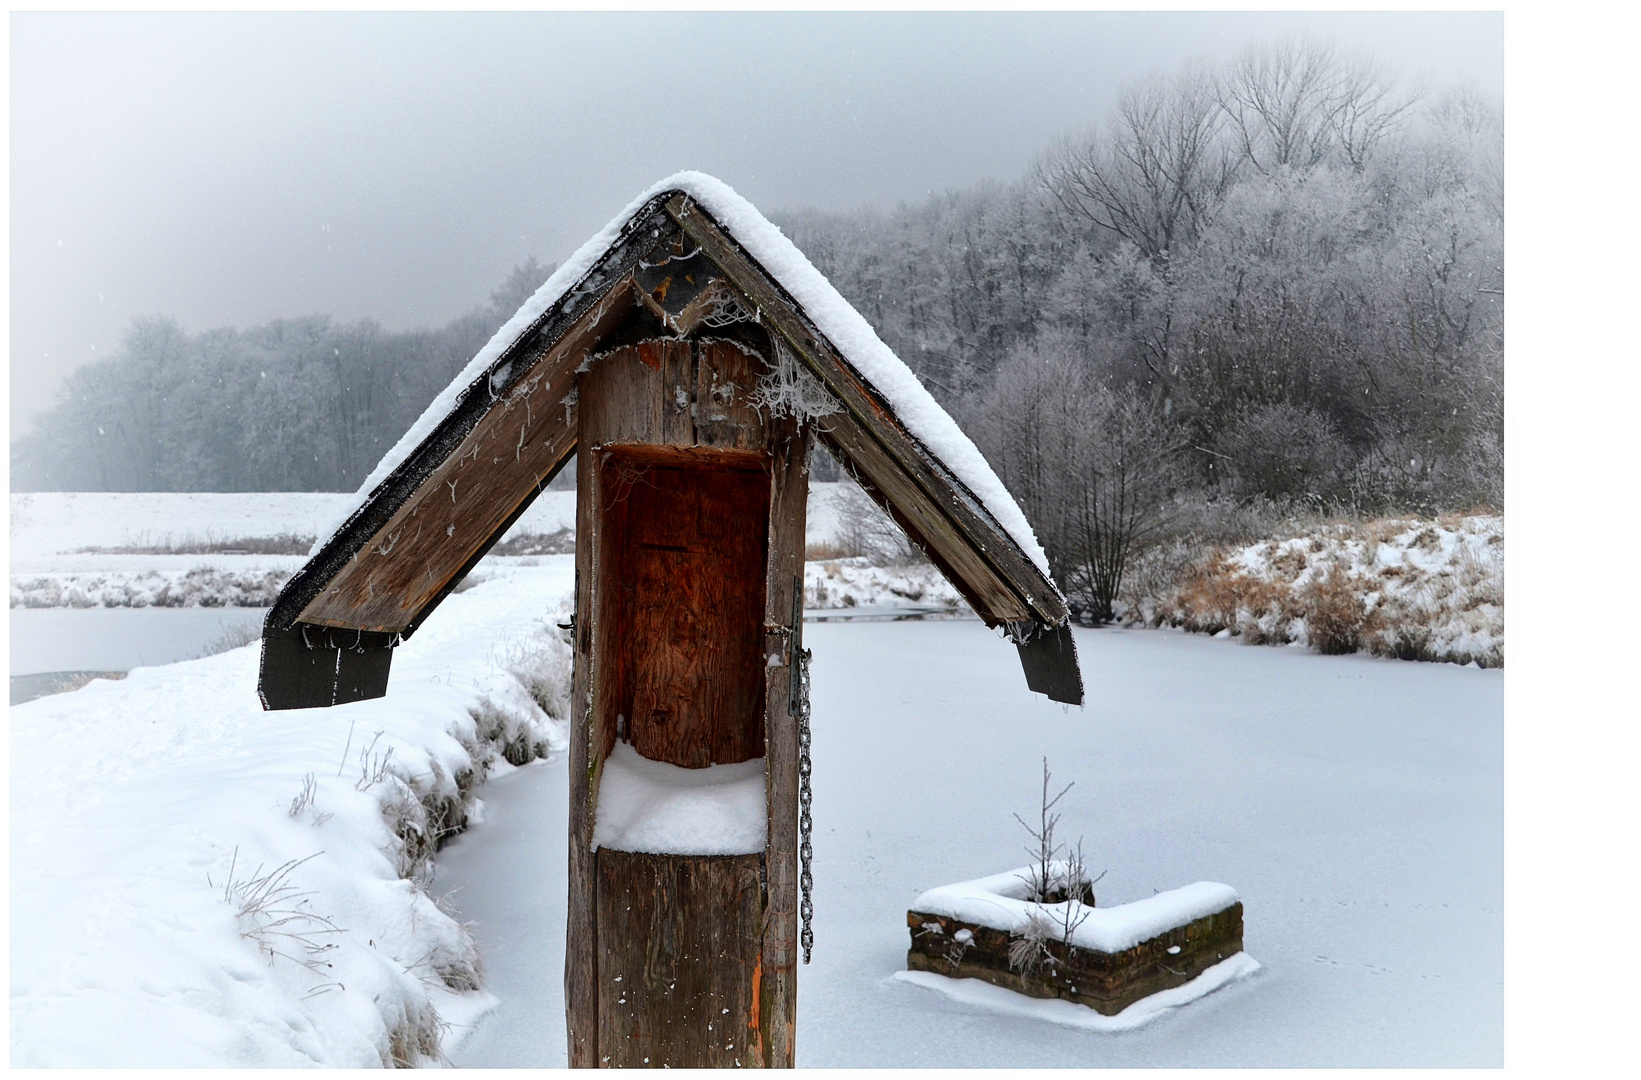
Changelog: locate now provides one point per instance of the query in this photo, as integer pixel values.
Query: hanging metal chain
(806, 824)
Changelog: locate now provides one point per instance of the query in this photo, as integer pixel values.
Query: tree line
(297, 404)
(1275, 281)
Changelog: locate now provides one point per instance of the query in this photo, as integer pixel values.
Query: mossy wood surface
(1106, 982)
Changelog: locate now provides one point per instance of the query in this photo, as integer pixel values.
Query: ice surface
(847, 330)
(999, 901)
(1355, 802)
(646, 805)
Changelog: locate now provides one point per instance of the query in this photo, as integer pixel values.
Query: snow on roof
(843, 326)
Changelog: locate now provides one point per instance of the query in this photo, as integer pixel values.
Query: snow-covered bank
(856, 582)
(1411, 589)
(81, 549)
(196, 882)
(139, 581)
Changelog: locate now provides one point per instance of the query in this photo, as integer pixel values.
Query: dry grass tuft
(1335, 613)
(1410, 589)
(285, 543)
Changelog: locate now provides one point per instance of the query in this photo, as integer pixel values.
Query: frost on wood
(725, 307)
(786, 388)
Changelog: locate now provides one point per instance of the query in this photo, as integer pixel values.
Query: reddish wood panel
(691, 546)
(678, 940)
(702, 502)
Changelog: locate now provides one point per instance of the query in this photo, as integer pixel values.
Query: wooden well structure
(681, 376)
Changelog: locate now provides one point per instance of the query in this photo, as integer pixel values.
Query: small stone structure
(1170, 939)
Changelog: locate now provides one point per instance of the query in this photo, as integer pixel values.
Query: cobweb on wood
(786, 388)
(726, 307)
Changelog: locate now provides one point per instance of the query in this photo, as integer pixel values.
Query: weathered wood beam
(465, 504)
(960, 513)
(586, 755)
(367, 526)
(783, 615)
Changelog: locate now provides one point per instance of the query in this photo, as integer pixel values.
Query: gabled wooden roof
(486, 448)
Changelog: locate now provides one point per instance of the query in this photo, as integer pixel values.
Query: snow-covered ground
(1355, 804)
(197, 882)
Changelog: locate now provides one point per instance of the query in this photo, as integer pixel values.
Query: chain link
(806, 824)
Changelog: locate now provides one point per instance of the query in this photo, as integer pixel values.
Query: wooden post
(778, 1000)
(581, 924)
(673, 959)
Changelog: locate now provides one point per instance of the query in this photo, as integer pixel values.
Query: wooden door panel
(696, 540)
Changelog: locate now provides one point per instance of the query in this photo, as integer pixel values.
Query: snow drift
(197, 882)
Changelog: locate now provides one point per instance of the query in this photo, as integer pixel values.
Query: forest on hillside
(1273, 284)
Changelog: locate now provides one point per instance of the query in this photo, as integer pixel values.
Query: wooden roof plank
(463, 506)
(970, 522)
(366, 525)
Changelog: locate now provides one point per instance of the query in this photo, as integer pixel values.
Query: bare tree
(1294, 103)
(1157, 172)
(1094, 466)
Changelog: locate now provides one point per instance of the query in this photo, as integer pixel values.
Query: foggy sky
(227, 169)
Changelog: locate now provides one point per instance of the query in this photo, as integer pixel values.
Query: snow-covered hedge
(856, 582)
(1418, 590)
(196, 882)
(201, 586)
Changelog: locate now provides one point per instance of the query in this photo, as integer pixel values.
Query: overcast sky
(227, 169)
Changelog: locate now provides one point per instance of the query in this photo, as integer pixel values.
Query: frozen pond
(1355, 803)
(118, 639)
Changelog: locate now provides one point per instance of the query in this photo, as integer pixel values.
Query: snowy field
(1355, 803)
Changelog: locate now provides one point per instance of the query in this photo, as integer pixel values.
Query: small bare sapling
(1058, 885)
